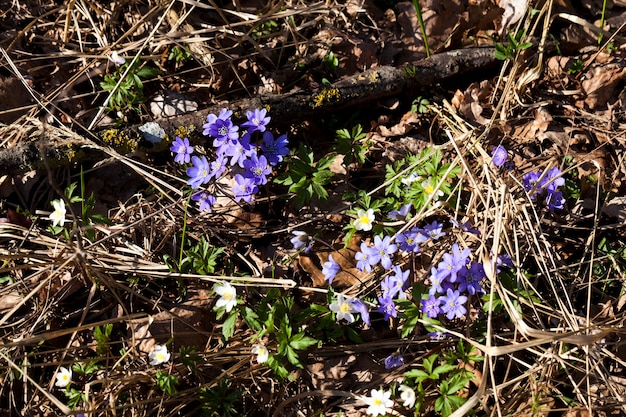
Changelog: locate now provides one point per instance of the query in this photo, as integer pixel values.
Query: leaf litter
(56, 293)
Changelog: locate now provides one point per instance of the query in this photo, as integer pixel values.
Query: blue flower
(407, 241)
(434, 230)
(466, 227)
(182, 149)
(555, 201)
(205, 199)
(552, 180)
(387, 307)
(361, 308)
(452, 304)
(221, 128)
(470, 279)
(393, 361)
(240, 150)
(400, 281)
(198, 173)
(257, 169)
(431, 306)
(274, 150)
(218, 167)
(256, 120)
(531, 181)
(330, 269)
(402, 212)
(383, 249)
(244, 188)
(499, 155)
(436, 282)
(301, 240)
(363, 258)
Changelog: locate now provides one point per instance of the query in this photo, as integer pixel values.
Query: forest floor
(427, 225)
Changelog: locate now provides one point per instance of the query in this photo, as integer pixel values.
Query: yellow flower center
(345, 307)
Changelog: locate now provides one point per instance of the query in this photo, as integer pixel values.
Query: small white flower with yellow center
(261, 352)
(64, 377)
(429, 187)
(364, 220)
(58, 215)
(228, 296)
(343, 307)
(159, 355)
(407, 395)
(379, 402)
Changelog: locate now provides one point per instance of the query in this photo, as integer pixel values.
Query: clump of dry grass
(551, 340)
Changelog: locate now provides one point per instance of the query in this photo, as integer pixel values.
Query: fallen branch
(60, 146)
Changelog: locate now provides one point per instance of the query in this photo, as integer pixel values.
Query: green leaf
(228, 328)
(301, 342)
(418, 374)
(445, 368)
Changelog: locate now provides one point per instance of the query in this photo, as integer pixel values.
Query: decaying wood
(58, 147)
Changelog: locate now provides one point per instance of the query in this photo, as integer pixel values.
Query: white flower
(344, 308)
(58, 215)
(117, 59)
(364, 220)
(228, 296)
(64, 377)
(261, 353)
(379, 402)
(159, 355)
(407, 395)
(429, 188)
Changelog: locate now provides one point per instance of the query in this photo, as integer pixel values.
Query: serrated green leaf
(228, 328)
(301, 342)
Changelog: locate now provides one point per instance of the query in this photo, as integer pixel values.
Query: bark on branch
(58, 146)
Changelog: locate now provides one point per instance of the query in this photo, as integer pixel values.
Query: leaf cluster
(129, 94)
(514, 44)
(274, 316)
(305, 177)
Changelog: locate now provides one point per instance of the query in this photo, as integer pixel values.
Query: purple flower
(244, 189)
(503, 260)
(218, 167)
(257, 169)
(452, 263)
(402, 212)
(330, 269)
(434, 230)
(361, 308)
(383, 249)
(274, 150)
(436, 282)
(387, 307)
(400, 281)
(256, 120)
(409, 240)
(555, 201)
(221, 128)
(531, 181)
(205, 199)
(301, 240)
(499, 155)
(466, 227)
(363, 258)
(240, 150)
(431, 306)
(552, 180)
(388, 285)
(470, 279)
(182, 149)
(198, 173)
(393, 361)
(452, 304)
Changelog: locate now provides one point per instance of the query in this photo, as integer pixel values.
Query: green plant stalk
(602, 21)
(182, 237)
(418, 12)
